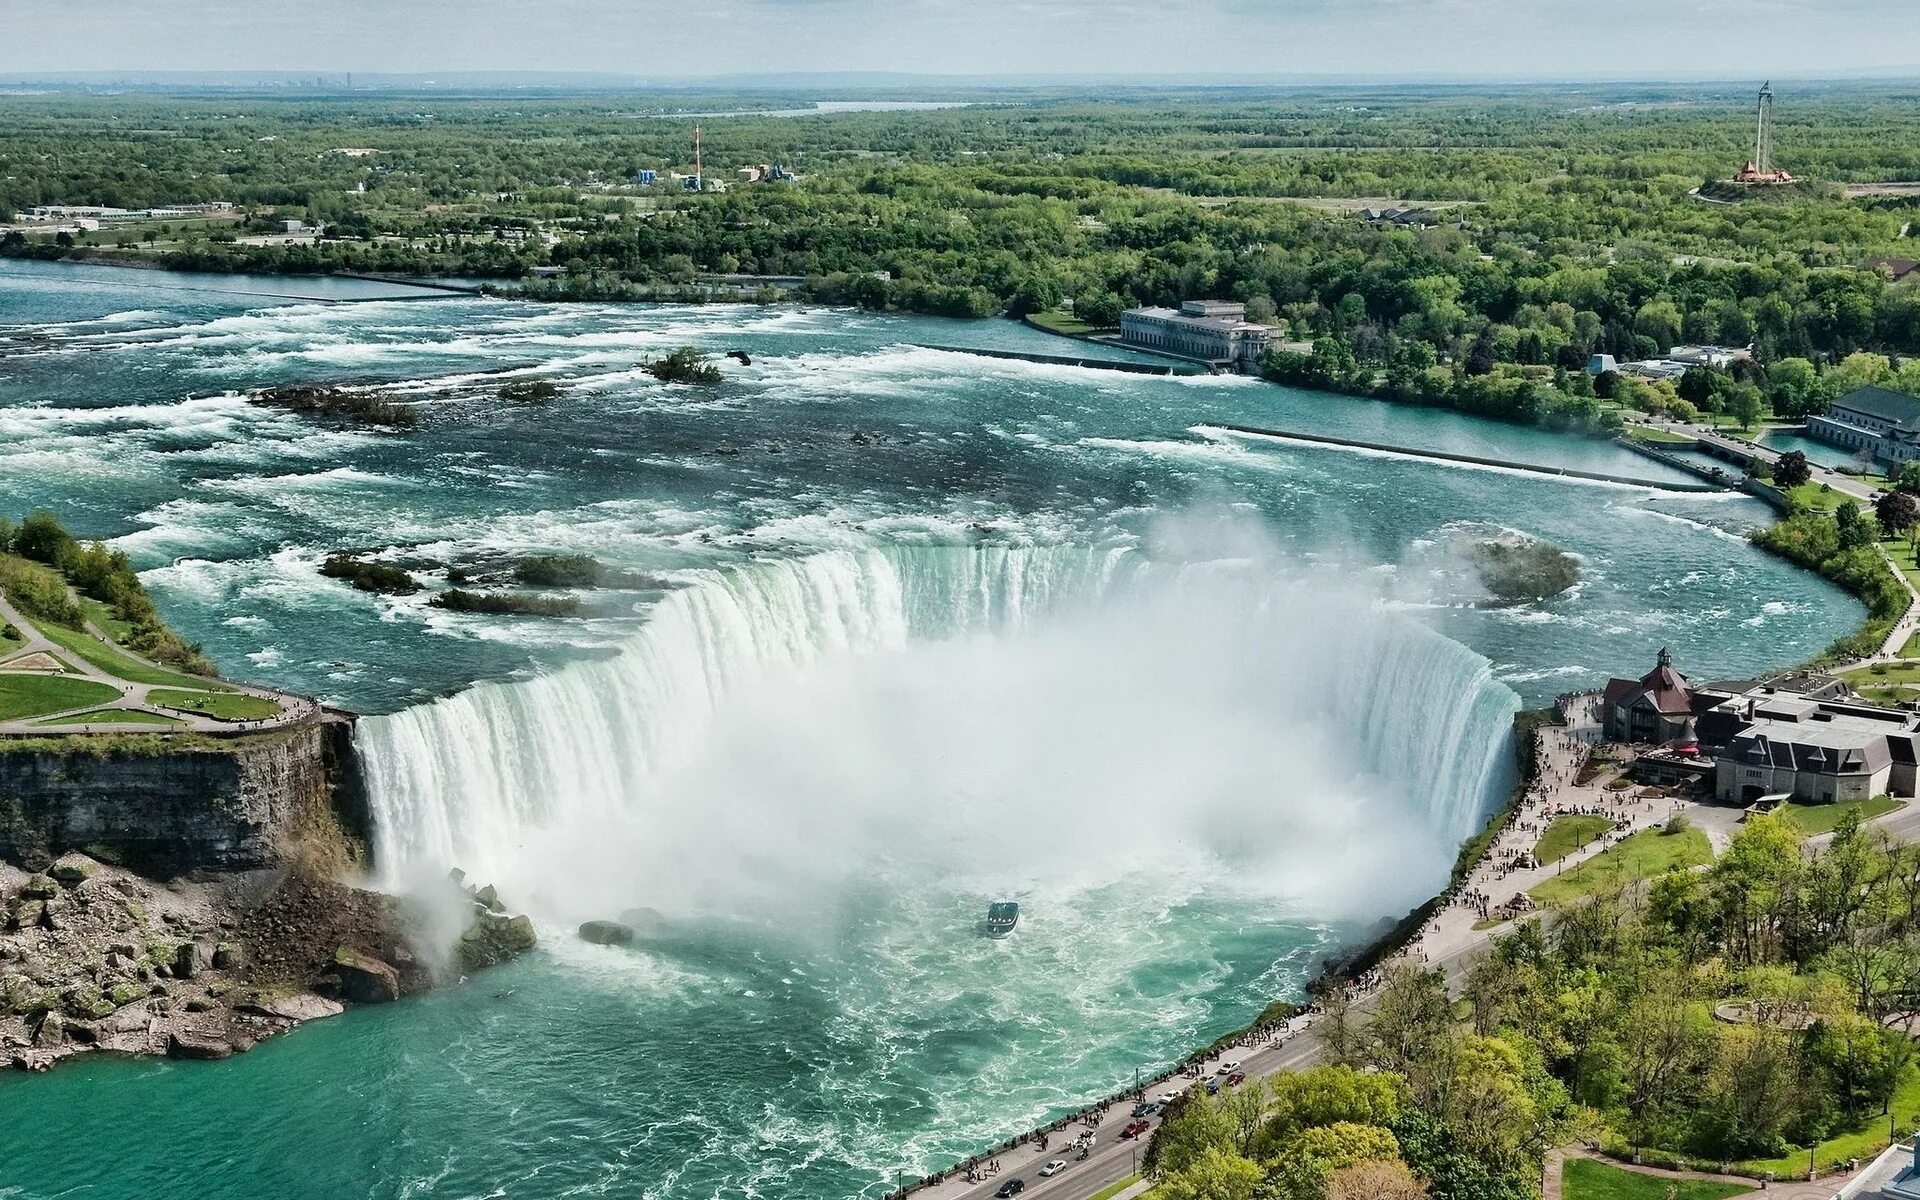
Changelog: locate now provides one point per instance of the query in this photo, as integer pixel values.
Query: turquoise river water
(906, 631)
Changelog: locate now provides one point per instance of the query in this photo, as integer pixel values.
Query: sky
(665, 39)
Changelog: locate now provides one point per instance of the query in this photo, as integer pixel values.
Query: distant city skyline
(1520, 39)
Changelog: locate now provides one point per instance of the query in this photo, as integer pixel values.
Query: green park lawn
(1822, 818)
(1646, 854)
(1662, 436)
(1862, 1142)
(1585, 1179)
(1816, 496)
(1568, 834)
(117, 662)
(228, 706)
(1115, 1188)
(10, 639)
(1059, 321)
(1881, 674)
(36, 695)
(103, 616)
(113, 716)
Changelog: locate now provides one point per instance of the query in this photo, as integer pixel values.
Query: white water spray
(990, 717)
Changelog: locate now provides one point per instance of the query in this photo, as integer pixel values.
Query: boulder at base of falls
(492, 939)
(193, 1045)
(606, 933)
(364, 978)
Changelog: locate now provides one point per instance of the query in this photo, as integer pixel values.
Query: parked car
(1012, 1187)
(1053, 1168)
(1213, 1086)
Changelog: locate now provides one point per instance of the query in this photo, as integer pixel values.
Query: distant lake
(824, 107)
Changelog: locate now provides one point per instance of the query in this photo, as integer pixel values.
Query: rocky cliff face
(251, 803)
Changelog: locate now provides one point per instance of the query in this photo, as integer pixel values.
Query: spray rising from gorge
(990, 718)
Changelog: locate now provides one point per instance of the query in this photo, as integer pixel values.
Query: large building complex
(1873, 422)
(1210, 331)
(1807, 738)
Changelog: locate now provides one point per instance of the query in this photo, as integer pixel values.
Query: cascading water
(800, 723)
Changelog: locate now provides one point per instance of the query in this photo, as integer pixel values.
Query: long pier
(1066, 360)
(1316, 439)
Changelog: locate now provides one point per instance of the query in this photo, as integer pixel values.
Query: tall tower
(1763, 137)
(699, 171)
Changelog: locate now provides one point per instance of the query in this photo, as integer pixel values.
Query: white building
(1213, 331)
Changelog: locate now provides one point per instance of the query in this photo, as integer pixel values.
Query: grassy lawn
(1585, 1179)
(1060, 321)
(1646, 854)
(1662, 437)
(116, 662)
(1115, 1188)
(1816, 496)
(35, 695)
(1821, 818)
(1884, 673)
(103, 616)
(1568, 834)
(1901, 552)
(10, 639)
(1912, 648)
(1862, 1143)
(113, 716)
(229, 706)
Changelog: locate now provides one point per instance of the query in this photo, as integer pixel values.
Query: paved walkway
(134, 696)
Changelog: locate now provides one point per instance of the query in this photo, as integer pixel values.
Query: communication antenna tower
(699, 171)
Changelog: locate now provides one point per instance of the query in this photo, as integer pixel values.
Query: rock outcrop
(232, 806)
(206, 967)
(606, 933)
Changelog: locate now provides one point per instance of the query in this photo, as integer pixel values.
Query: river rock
(493, 939)
(189, 959)
(305, 1006)
(365, 979)
(196, 1045)
(226, 956)
(489, 898)
(606, 933)
(72, 870)
(40, 887)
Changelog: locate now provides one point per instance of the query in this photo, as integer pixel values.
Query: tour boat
(1002, 916)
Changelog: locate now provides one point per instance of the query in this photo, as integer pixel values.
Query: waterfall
(853, 702)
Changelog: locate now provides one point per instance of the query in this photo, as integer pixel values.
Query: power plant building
(1210, 331)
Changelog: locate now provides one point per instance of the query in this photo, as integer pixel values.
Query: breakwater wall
(1757, 488)
(1471, 459)
(166, 807)
(1067, 360)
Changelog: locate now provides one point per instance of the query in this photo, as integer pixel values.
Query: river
(907, 630)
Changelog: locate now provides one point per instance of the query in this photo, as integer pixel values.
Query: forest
(1734, 1016)
(1554, 222)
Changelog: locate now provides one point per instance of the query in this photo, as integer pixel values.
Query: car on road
(1012, 1187)
(1228, 1067)
(1136, 1129)
(1145, 1108)
(1236, 1079)
(1213, 1086)
(1053, 1168)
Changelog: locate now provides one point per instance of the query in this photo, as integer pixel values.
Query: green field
(1884, 673)
(113, 716)
(1646, 854)
(1585, 1179)
(36, 695)
(1568, 834)
(228, 706)
(1816, 496)
(1822, 818)
(1661, 437)
(117, 662)
(10, 639)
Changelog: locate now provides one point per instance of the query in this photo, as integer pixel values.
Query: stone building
(1212, 331)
